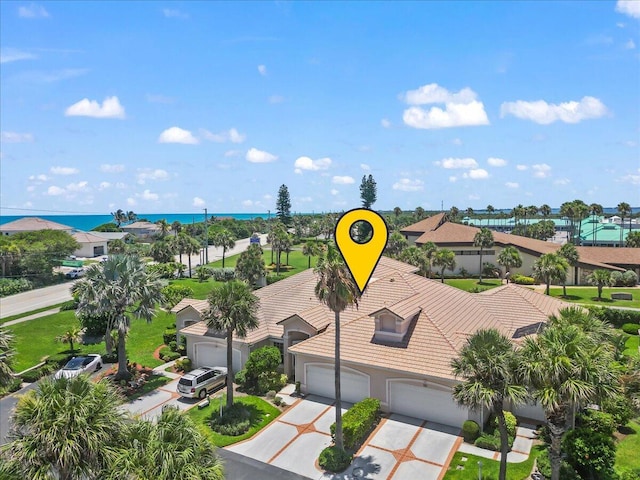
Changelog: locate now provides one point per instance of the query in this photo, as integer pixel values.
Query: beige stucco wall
(86, 249)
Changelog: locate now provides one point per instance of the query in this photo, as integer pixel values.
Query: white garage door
(215, 355)
(414, 400)
(321, 381)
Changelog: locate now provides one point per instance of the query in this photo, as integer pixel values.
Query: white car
(75, 273)
(78, 365)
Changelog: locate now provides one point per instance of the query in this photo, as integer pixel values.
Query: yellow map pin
(361, 258)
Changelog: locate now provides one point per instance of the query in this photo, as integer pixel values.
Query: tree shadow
(361, 467)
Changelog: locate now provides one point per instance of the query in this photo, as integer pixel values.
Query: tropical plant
(337, 290)
(419, 213)
(310, 249)
(488, 365)
(415, 256)
(65, 429)
(545, 210)
(483, 239)
(633, 240)
(165, 227)
(162, 251)
(624, 209)
(564, 367)
(509, 257)
(395, 244)
(191, 247)
(70, 336)
(600, 278)
(429, 249)
(224, 239)
(550, 267)
(250, 266)
(233, 309)
(596, 210)
(453, 214)
(119, 287)
(119, 217)
(444, 259)
(569, 252)
(6, 356)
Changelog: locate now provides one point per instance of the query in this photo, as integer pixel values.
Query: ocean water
(88, 222)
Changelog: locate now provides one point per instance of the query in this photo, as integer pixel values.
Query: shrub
(37, 373)
(12, 386)
(358, 421)
(510, 420)
(94, 325)
(173, 345)
(235, 420)
(631, 328)
(10, 286)
(488, 441)
(490, 270)
(167, 355)
(523, 280)
(620, 407)
(240, 377)
(223, 274)
(163, 270)
(70, 305)
(277, 401)
(174, 293)
(270, 381)
(183, 365)
(169, 335)
(630, 278)
(544, 467)
(589, 452)
(615, 280)
(110, 357)
(334, 459)
(616, 316)
(261, 370)
(599, 422)
(470, 431)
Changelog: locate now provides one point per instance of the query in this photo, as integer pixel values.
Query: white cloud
(259, 156)
(112, 168)
(232, 153)
(632, 178)
(33, 11)
(630, 45)
(64, 170)
(262, 69)
(273, 99)
(342, 180)
(457, 163)
(454, 115)
(496, 162)
(15, 137)
(131, 202)
(82, 186)
(365, 167)
(408, 185)
(545, 113)
(157, 174)
(629, 7)
(334, 191)
(433, 93)
(247, 203)
(104, 186)
(512, 184)
(305, 199)
(521, 167)
(42, 177)
(541, 170)
(453, 179)
(54, 191)
(198, 202)
(177, 135)
(306, 163)
(385, 123)
(52, 76)
(31, 188)
(148, 195)
(476, 174)
(110, 108)
(13, 55)
(232, 135)
(562, 181)
(174, 13)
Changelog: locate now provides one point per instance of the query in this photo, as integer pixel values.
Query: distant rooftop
(33, 224)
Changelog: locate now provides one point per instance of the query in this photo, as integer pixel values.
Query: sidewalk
(519, 451)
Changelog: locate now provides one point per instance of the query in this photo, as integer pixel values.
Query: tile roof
(425, 225)
(611, 255)
(30, 224)
(199, 305)
(141, 224)
(85, 237)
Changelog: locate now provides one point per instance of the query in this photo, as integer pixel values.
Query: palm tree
(176, 226)
(119, 288)
(488, 364)
(545, 210)
(483, 239)
(453, 214)
(563, 367)
(509, 257)
(550, 267)
(131, 216)
(170, 449)
(600, 278)
(469, 212)
(429, 249)
(569, 252)
(66, 429)
(191, 247)
(581, 211)
(490, 209)
(309, 249)
(164, 227)
(119, 217)
(6, 356)
(395, 244)
(397, 211)
(337, 290)
(419, 213)
(250, 266)
(445, 259)
(633, 240)
(70, 336)
(596, 210)
(624, 209)
(225, 239)
(233, 309)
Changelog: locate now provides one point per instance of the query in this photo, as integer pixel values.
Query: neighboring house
(459, 238)
(141, 229)
(397, 345)
(32, 224)
(90, 245)
(110, 235)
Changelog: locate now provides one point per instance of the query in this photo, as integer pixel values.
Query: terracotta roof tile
(32, 224)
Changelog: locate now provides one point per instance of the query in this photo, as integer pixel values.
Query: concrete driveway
(400, 447)
(149, 406)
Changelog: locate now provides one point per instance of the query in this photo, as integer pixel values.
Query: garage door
(431, 404)
(215, 355)
(321, 381)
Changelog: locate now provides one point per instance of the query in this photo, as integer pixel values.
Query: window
(280, 346)
(387, 324)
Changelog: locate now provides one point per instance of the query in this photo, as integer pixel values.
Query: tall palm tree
(233, 309)
(119, 217)
(164, 227)
(70, 336)
(566, 210)
(419, 213)
(395, 244)
(563, 367)
(624, 209)
(569, 252)
(509, 257)
(176, 226)
(444, 259)
(581, 211)
(6, 356)
(483, 239)
(550, 267)
(131, 216)
(66, 429)
(488, 364)
(596, 210)
(170, 449)
(429, 249)
(397, 211)
(191, 247)
(119, 288)
(224, 239)
(545, 210)
(600, 278)
(309, 249)
(337, 290)
(453, 214)
(490, 209)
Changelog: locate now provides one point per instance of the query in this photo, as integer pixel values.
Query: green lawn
(26, 314)
(627, 457)
(35, 339)
(153, 382)
(200, 289)
(490, 468)
(472, 284)
(298, 261)
(589, 295)
(632, 344)
(264, 413)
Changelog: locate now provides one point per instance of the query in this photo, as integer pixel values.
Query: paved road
(239, 467)
(35, 299)
(7, 404)
(215, 253)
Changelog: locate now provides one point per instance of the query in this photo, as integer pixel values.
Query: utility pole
(206, 238)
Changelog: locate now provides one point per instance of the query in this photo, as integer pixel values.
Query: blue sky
(173, 107)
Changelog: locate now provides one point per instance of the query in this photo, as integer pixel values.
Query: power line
(52, 211)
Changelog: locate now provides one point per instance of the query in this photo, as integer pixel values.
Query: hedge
(615, 316)
(523, 280)
(358, 421)
(167, 355)
(223, 274)
(334, 459)
(631, 328)
(169, 335)
(10, 286)
(470, 431)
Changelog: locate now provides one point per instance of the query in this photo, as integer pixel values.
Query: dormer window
(391, 327)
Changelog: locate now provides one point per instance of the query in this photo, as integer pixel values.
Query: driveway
(399, 448)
